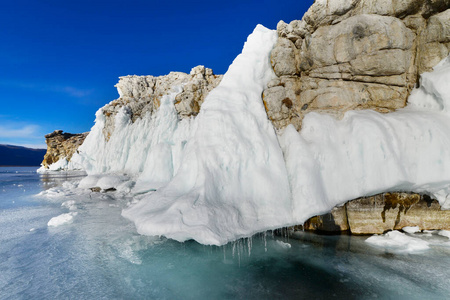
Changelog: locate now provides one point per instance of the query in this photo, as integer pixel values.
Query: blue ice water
(100, 256)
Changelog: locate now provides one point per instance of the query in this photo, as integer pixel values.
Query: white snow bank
(232, 181)
(434, 93)
(61, 219)
(89, 181)
(61, 165)
(395, 241)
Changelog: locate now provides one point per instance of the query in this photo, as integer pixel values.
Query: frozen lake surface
(89, 251)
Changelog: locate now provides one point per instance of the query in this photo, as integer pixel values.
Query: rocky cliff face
(142, 94)
(61, 145)
(354, 54)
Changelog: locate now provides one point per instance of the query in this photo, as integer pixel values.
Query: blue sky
(60, 60)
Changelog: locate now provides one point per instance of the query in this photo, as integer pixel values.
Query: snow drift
(232, 158)
(227, 174)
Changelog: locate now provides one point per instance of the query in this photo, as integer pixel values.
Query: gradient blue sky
(60, 60)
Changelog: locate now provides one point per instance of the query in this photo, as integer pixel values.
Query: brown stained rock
(281, 100)
(96, 189)
(393, 211)
(380, 213)
(61, 145)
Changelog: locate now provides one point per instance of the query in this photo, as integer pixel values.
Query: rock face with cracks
(61, 145)
(354, 54)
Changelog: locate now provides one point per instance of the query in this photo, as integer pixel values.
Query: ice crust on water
(70, 204)
(395, 241)
(411, 229)
(226, 174)
(61, 219)
(283, 245)
(445, 233)
(410, 242)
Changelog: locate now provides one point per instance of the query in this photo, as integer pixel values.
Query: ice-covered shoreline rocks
(142, 94)
(140, 97)
(229, 173)
(61, 146)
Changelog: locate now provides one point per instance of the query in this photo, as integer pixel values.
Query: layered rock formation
(142, 94)
(61, 145)
(381, 213)
(354, 54)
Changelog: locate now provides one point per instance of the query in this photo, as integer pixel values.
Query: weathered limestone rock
(326, 12)
(354, 54)
(380, 213)
(357, 39)
(284, 58)
(279, 100)
(142, 94)
(393, 211)
(61, 145)
(434, 42)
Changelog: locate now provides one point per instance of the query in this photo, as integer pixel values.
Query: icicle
(234, 248)
(224, 253)
(265, 241)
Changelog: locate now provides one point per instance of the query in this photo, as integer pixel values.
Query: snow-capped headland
(351, 101)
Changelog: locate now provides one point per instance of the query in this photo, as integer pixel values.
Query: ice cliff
(296, 126)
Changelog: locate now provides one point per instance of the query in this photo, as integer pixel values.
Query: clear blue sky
(60, 59)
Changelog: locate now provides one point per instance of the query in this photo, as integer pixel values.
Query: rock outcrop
(142, 94)
(354, 54)
(381, 213)
(343, 55)
(61, 145)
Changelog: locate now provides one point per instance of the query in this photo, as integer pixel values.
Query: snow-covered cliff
(220, 170)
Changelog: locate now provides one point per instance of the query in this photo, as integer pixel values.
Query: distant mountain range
(11, 155)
